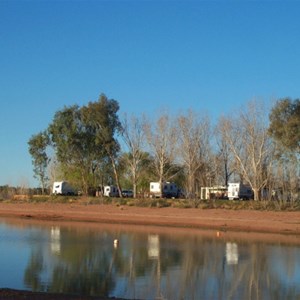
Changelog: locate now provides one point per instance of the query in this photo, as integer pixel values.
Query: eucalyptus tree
(246, 134)
(38, 144)
(285, 124)
(285, 130)
(73, 141)
(193, 147)
(102, 118)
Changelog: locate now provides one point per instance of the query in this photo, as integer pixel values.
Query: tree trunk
(256, 192)
(116, 175)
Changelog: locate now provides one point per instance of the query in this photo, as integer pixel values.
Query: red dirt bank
(219, 219)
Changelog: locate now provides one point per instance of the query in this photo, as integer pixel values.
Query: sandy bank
(219, 219)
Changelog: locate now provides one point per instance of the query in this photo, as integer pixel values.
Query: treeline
(92, 146)
(10, 192)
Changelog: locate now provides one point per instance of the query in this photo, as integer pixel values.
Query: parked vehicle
(127, 193)
(111, 191)
(168, 190)
(240, 191)
(63, 188)
(213, 192)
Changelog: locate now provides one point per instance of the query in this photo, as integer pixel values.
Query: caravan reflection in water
(55, 239)
(153, 246)
(149, 263)
(232, 255)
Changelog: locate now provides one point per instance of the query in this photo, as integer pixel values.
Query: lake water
(147, 262)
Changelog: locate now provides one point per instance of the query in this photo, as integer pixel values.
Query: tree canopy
(83, 139)
(285, 123)
(37, 148)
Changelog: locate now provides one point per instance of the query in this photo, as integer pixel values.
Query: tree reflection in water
(161, 266)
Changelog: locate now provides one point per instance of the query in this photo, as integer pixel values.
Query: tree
(142, 169)
(285, 130)
(102, 118)
(37, 148)
(248, 140)
(285, 123)
(133, 136)
(74, 147)
(224, 158)
(193, 147)
(162, 138)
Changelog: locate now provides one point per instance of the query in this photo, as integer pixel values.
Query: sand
(281, 222)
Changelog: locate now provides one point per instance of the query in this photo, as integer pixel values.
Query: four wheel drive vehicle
(127, 193)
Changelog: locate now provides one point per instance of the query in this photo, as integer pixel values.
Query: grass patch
(264, 205)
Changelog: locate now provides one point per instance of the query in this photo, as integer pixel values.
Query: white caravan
(111, 191)
(168, 190)
(239, 191)
(62, 188)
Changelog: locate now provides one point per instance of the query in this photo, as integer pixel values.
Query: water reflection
(55, 239)
(232, 255)
(149, 263)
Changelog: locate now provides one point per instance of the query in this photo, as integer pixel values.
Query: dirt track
(219, 219)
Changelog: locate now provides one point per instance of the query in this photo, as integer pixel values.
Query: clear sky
(147, 55)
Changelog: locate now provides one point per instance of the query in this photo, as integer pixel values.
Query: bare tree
(133, 136)
(248, 140)
(193, 147)
(224, 159)
(161, 137)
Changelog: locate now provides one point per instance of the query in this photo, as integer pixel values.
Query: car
(127, 193)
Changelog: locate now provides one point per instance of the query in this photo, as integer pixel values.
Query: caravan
(62, 188)
(240, 191)
(168, 190)
(111, 191)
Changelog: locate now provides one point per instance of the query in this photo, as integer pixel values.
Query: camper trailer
(168, 190)
(213, 192)
(111, 191)
(240, 191)
(62, 188)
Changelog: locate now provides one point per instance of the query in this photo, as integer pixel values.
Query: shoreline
(281, 222)
(10, 294)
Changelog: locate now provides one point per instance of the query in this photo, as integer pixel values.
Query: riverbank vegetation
(265, 205)
(92, 146)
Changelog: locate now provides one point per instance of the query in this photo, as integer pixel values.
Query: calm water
(147, 263)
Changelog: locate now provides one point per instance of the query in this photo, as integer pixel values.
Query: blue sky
(210, 56)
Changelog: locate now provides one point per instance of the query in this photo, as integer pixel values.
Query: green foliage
(285, 123)
(83, 140)
(37, 148)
